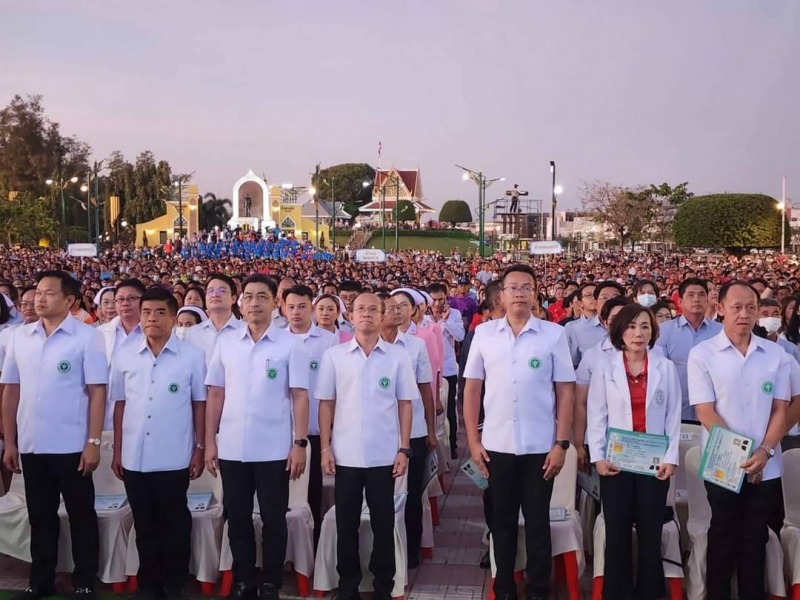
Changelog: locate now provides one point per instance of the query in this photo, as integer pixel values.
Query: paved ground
(452, 573)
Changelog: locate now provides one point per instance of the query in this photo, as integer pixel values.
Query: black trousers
(737, 539)
(452, 409)
(163, 527)
(416, 479)
(514, 203)
(630, 499)
(315, 485)
(378, 485)
(270, 482)
(514, 482)
(47, 478)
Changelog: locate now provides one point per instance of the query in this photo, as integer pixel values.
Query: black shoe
(33, 593)
(242, 591)
(267, 591)
(147, 594)
(413, 561)
(339, 595)
(454, 453)
(179, 594)
(83, 593)
(486, 562)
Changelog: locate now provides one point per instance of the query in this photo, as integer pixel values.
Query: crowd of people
(244, 365)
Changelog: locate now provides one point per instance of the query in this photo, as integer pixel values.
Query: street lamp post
(178, 183)
(62, 183)
(553, 188)
(480, 179)
(332, 184)
(783, 216)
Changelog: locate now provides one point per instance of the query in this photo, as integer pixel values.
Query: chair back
(563, 495)
(18, 484)
(105, 482)
(699, 508)
(690, 437)
(298, 489)
(444, 390)
(791, 486)
(207, 483)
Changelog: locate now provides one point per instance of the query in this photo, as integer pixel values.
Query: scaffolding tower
(513, 232)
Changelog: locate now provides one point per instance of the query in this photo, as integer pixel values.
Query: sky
(623, 91)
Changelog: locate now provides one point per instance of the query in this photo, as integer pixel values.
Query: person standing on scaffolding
(515, 193)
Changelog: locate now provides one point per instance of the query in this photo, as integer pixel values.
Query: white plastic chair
(113, 525)
(299, 543)
(697, 528)
(670, 549)
(691, 435)
(325, 576)
(206, 538)
(566, 537)
(15, 529)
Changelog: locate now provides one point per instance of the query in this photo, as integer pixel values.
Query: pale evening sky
(625, 91)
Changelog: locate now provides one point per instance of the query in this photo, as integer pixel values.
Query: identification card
(636, 452)
(198, 502)
(723, 455)
(471, 470)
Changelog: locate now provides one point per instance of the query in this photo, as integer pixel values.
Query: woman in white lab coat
(634, 389)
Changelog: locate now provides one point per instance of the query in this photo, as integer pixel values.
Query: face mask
(646, 300)
(180, 332)
(771, 324)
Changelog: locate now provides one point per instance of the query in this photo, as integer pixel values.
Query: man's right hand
(211, 458)
(11, 458)
(328, 462)
(480, 457)
(583, 459)
(116, 465)
(606, 468)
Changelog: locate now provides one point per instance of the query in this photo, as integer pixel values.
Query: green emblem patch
(384, 382)
(766, 387)
(534, 363)
(64, 366)
(173, 388)
(272, 373)
(313, 365)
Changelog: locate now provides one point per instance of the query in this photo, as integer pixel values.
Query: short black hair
(723, 291)
(605, 285)
(626, 316)
(611, 304)
(589, 284)
(69, 285)
(661, 304)
(299, 290)
(132, 283)
(350, 286)
(769, 302)
(260, 278)
(761, 280)
(158, 293)
(437, 287)
(13, 293)
(689, 281)
(518, 268)
(492, 293)
(637, 287)
(225, 279)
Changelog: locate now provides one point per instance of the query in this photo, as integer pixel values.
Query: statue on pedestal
(248, 204)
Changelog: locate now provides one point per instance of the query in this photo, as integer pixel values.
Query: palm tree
(214, 212)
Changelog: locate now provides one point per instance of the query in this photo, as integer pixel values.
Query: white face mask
(180, 332)
(771, 324)
(646, 300)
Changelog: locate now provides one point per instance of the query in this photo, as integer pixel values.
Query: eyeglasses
(217, 291)
(523, 289)
(24, 305)
(367, 310)
(126, 299)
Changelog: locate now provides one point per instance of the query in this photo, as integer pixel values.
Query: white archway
(248, 177)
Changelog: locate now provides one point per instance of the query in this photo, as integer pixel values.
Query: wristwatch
(93, 441)
(406, 451)
(301, 443)
(770, 451)
(563, 443)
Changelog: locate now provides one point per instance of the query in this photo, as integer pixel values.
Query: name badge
(660, 398)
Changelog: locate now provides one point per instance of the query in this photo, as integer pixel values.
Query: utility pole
(553, 217)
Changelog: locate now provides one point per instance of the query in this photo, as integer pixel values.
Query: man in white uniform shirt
(124, 328)
(741, 382)
(55, 376)
(678, 336)
(278, 313)
(298, 304)
(258, 402)
(369, 385)
(530, 391)
(587, 332)
(220, 299)
(452, 324)
(159, 429)
(422, 439)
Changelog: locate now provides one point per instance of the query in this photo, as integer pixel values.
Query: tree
(667, 199)
(455, 211)
(735, 222)
(26, 220)
(348, 183)
(628, 211)
(406, 211)
(214, 212)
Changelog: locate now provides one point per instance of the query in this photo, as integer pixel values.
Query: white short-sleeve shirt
(158, 424)
(519, 374)
(204, 335)
(52, 373)
(366, 389)
(423, 373)
(742, 388)
(315, 341)
(256, 423)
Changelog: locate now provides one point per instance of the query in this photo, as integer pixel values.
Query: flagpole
(380, 148)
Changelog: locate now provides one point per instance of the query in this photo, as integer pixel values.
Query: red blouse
(637, 385)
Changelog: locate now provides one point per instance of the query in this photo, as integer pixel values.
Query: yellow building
(167, 226)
